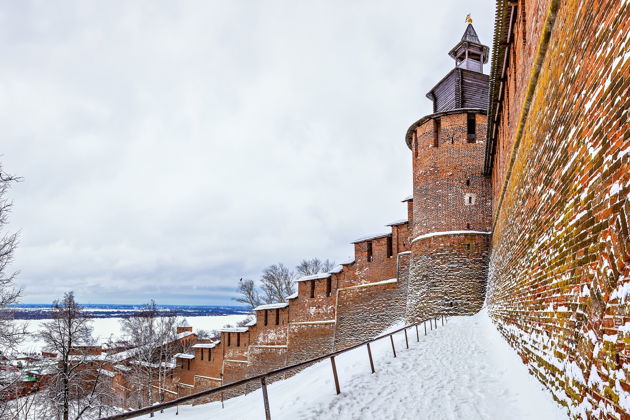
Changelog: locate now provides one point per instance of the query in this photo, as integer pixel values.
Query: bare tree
(314, 266)
(10, 332)
(248, 293)
(204, 334)
(24, 407)
(77, 384)
(277, 283)
(154, 342)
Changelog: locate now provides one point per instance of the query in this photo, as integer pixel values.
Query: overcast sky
(169, 148)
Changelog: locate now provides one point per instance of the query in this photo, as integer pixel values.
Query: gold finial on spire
(468, 19)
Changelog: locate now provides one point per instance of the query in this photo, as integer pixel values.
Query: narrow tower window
(202, 354)
(277, 316)
(329, 286)
(468, 182)
(390, 250)
(238, 339)
(369, 251)
(312, 289)
(471, 128)
(436, 132)
(415, 144)
(266, 317)
(229, 337)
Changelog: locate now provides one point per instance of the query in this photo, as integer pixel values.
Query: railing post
(417, 334)
(425, 327)
(393, 348)
(370, 356)
(334, 368)
(263, 382)
(177, 406)
(406, 339)
(442, 319)
(431, 323)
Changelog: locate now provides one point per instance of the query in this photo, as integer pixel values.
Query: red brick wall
(264, 359)
(320, 308)
(365, 311)
(400, 238)
(308, 341)
(312, 326)
(363, 271)
(271, 333)
(526, 33)
(440, 176)
(448, 272)
(558, 281)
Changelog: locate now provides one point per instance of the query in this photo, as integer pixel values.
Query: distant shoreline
(43, 311)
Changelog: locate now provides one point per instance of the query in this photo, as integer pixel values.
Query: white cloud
(169, 148)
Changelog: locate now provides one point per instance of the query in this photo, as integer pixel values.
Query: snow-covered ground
(106, 327)
(464, 370)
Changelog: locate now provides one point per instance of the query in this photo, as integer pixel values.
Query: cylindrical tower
(451, 197)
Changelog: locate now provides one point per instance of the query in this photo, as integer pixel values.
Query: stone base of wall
(309, 341)
(366, 310)
(448, 275)
(234, 371)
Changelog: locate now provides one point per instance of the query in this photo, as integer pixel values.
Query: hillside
(464, 370)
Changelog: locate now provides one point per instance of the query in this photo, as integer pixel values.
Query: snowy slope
(464, 370)
(104, 328)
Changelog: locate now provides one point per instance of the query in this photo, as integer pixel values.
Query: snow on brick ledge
(314, 277)
(234, 330)
(338, 269)
(205, 345)
(450, 232)
(370, 237)
(377, 283)
(271, 306)
(184, 356)
(398, 222)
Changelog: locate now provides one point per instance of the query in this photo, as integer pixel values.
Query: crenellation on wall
(523, 205)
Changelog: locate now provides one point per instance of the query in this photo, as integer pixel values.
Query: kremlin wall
(520, 201)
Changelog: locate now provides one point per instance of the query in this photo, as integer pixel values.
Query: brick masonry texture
(448, 273)
(559, 278)
(373, 308)
(444, 175)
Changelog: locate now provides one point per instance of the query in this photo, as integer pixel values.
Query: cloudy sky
(169, 148)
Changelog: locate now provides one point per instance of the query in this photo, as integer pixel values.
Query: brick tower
(451, 220)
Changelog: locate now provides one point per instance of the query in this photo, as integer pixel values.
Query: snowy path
(464, 370)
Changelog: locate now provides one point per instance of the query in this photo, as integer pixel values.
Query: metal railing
(433, 323)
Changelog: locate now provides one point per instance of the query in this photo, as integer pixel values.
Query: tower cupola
(470, 53)
(465, 86)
